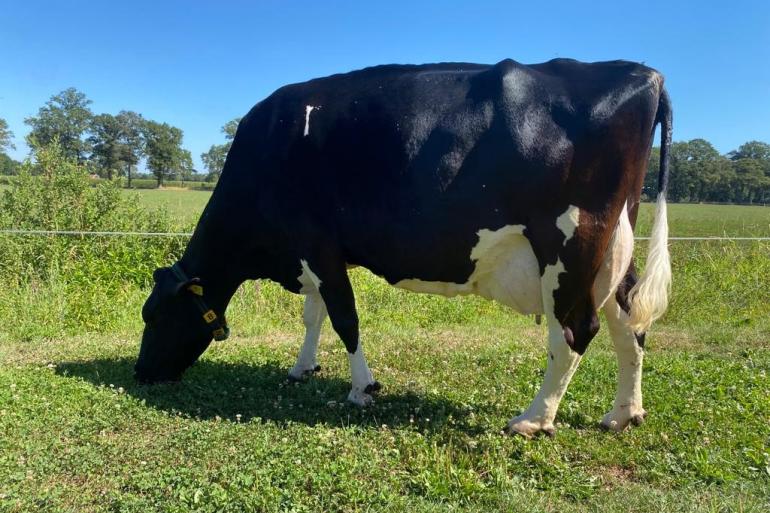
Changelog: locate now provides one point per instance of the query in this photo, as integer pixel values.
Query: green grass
(684, 219)
(185, 206)
(234, 436)
(77, 434)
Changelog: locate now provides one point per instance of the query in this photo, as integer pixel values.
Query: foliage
(8, 166)
(214, 158)
(66, 117)
(6, 137)
(699, 173)
(163, 146)
(131, 138)
(108, 151)
(55, 193)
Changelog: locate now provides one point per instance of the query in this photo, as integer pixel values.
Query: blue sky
(197, 65)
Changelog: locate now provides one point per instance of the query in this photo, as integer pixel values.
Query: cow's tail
(649, 297)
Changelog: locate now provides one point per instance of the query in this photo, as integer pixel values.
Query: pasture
(77, 434)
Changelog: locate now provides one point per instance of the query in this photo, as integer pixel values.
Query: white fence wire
(188, 234)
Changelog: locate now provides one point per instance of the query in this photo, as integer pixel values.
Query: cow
(518, 183)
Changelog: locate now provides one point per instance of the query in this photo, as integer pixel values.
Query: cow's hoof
(298, 373)
(529, 428)
(620, 418)
(360, 398)
(372, 388)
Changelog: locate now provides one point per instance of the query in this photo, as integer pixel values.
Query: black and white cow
(518, 183)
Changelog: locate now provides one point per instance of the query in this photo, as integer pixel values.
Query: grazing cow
(518, 183)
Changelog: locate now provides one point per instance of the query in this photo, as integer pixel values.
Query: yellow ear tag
(196, 289)
(209, 316)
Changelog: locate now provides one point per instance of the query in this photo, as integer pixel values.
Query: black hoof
(373, 387)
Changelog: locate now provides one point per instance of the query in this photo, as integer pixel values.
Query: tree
(8, 166)
(751, 150)
(66, 116)
(163, 146)
(5, 137)
(185, 169)
(107, 144)
(750, 180)
(214, 159)
(131, 138)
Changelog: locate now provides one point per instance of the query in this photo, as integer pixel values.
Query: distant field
(684, 219)
(185, 206)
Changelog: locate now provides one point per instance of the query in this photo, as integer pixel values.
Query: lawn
(79, 435)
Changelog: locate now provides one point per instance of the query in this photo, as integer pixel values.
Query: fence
(188, 234)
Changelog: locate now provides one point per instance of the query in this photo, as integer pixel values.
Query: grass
(185, 206)
(79, 435)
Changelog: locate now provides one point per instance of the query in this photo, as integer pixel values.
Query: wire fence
(189, 234)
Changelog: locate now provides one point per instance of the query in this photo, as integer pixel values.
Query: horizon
(198, 66)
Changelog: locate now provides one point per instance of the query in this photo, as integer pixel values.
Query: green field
(77, 434)
(684, 219)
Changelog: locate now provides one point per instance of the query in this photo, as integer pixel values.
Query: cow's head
(179, 326)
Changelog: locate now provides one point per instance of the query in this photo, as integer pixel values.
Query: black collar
(219, 329)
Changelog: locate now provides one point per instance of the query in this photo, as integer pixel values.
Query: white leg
(313, 315)
(628, 400)
(562, 363)
(361, 378)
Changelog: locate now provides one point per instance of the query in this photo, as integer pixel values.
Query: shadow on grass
(213, 389)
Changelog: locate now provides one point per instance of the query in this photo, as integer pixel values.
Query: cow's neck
(211, 257)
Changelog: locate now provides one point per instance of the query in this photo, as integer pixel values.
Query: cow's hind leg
(331, 279)
(627, 408)
(313, 315)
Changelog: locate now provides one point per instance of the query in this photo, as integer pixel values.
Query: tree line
(700, 174)
(113, 145)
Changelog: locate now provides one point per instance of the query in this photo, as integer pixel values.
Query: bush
(93, 273)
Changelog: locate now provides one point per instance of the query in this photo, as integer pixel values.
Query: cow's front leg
(562, 363)
(567, 341)
(628, 399)
(337, 294)
(313, 315)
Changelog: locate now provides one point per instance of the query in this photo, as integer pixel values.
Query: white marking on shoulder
(308, 110)
(568, 222)
(308, 279)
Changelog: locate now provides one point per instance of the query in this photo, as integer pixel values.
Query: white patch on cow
(506, 271)
(616, 260)
(313, 316)
(568, 222)
(308, 279)
(628, 398)
(360, 377)
(308, 110)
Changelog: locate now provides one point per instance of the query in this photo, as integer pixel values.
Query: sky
(198, 64)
